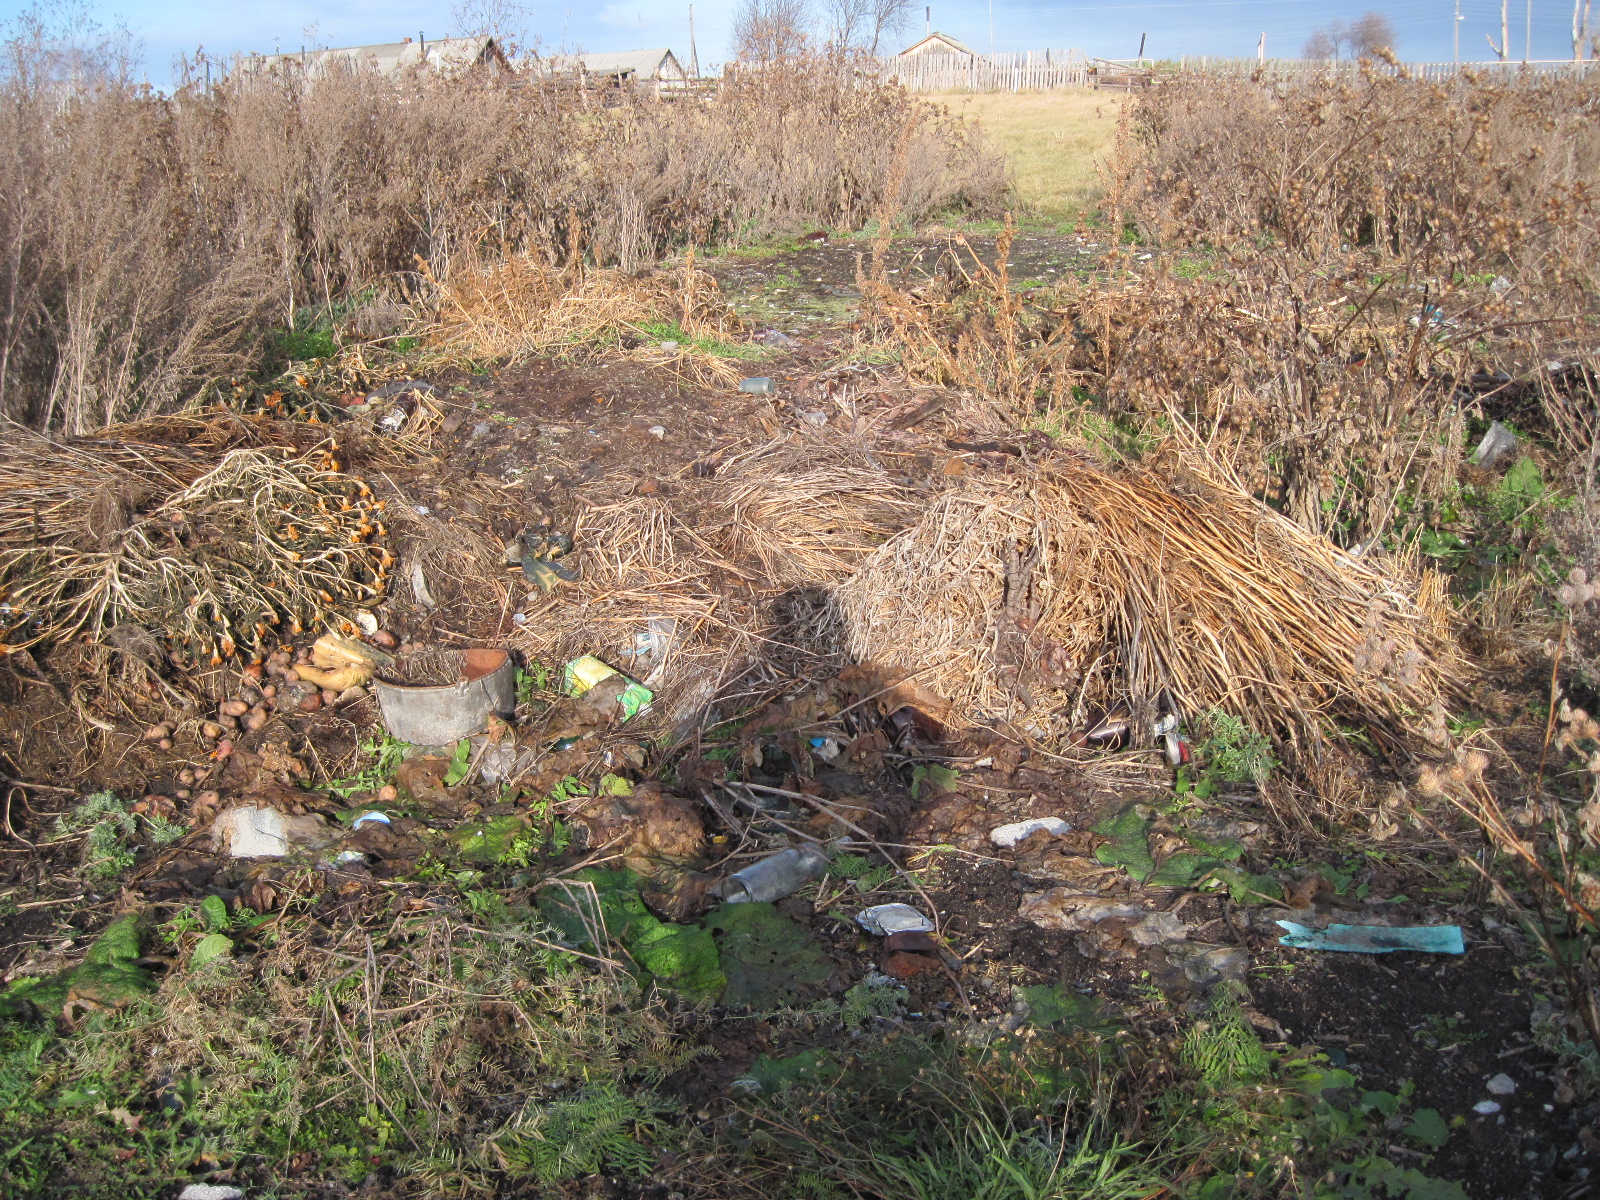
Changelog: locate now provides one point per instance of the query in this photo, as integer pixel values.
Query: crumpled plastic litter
(249, 832)
(1375, 939)
(885, 919)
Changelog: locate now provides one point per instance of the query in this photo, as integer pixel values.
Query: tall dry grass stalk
(147, 241)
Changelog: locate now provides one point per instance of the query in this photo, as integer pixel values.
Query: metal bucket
(444, 713)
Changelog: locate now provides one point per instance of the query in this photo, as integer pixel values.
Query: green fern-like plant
(1222, 1049)
(600, 1128)
(109, 824)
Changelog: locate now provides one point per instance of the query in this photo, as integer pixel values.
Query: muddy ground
(532, 436)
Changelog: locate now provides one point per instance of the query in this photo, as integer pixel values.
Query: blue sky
(1099, 27)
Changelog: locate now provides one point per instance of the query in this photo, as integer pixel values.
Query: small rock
(658, 432)
(1502, 1085)
(1486, 1108)
(386, 639)
(211, 1191)
(905, 965)
(329, 696)
(311, 703)
(233, 708)
(350, 695)
(388, 794)
(211, 729)
(156, 732)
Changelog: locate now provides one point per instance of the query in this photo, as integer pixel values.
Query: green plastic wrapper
(581, 674)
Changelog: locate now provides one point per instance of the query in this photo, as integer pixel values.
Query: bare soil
(532, 436)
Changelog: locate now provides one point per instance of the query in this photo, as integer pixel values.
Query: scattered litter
(349, 856)
(441, 715)
(774, 877)
(367, 623)
(1486, 1108)
(670, 347)
(211, 1191)
(651, 645)
(419, 581)
(759, 385)
(1375, 939)
(370, 818)
(250, 832)
(1009, 835)
(659, 432)
(884, 919)
(828, 749)
(587, 672)
(1497, 442)
(1502, 1085)
(776, 337)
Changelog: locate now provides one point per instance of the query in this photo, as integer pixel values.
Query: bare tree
(1362, 38)
(1369, 33)
(764, 30)
(889, 17)
(506, 21)
(1580, 28)
(1321, 45)
(847, 22)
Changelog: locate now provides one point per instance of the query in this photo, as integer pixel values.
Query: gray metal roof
(386, 57)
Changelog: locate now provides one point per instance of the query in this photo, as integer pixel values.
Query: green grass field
(1052, 141)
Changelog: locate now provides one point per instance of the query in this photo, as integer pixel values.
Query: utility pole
(1527, 35)
(694, 55)
(991, 28)
(927, 16)
(1261, 47)
(1456, 29)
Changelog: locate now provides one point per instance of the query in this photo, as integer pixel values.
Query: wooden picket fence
(1030, 70)
(1042, 70)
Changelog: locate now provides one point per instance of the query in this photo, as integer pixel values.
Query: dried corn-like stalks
(217, 556)
(1029, 598)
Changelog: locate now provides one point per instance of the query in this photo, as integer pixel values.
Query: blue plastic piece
(1375, 939)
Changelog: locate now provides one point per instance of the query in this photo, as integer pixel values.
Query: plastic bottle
(774, 877)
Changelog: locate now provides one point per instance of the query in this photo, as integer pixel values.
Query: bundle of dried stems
(1027, 597)
(217, 554)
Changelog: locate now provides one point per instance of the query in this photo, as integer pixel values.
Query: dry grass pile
(522, 306)
(720, 572)
(175, 528)
(1048, 596)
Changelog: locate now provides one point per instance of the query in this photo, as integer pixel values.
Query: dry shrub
(1040, 597)
(1344, 270)
(152, 238)
(726, 566)
(214, 550)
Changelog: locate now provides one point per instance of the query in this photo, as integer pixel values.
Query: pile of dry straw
(1038, 596)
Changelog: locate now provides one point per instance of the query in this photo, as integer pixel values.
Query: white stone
(211, 1191)
(1502, 1085)
(1486, 1108)
(1010, 835)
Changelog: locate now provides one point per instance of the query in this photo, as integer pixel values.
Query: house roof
(641, 64)
(939, 43)
(389, 57)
